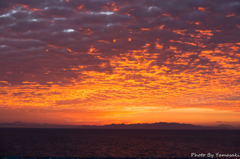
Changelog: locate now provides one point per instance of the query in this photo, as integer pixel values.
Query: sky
(96, 62)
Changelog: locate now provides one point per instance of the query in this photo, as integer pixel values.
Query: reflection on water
(116, 143)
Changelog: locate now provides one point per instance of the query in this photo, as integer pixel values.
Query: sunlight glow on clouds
(108, 61)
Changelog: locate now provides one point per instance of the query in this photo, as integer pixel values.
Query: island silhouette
(158, 125)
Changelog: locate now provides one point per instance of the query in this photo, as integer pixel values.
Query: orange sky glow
(115, 65)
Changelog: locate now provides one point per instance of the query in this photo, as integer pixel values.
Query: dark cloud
(58, 12)
(42, 41)
(4, 5)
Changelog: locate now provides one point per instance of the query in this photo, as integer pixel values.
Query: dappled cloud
(96, 61)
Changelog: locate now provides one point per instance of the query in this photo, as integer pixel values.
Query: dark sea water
(116, 143)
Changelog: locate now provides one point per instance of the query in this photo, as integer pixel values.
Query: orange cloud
(120, 62)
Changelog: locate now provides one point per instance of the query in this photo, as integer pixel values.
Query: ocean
(117, 143)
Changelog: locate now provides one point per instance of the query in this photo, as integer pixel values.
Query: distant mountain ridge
(160, 125)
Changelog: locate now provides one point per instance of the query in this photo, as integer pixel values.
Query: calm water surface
(116, 143)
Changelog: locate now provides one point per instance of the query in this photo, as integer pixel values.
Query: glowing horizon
(79, 62)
